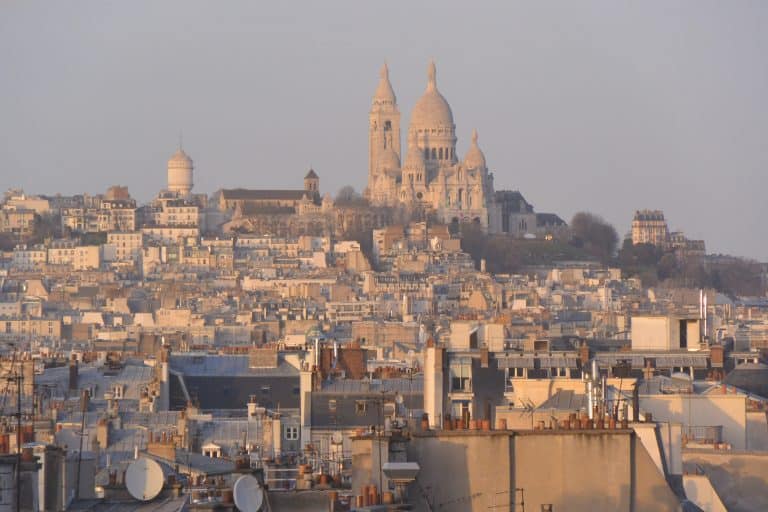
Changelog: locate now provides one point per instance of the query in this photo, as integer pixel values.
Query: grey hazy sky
(606, 106)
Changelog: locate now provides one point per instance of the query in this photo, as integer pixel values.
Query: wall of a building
(702, 410)
(757, 430)
(740, 479)
(654, 333)
(574, 471)
(699, 490)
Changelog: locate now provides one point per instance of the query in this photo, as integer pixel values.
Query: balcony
(701, 434)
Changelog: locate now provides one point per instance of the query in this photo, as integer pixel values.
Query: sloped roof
(242, 194)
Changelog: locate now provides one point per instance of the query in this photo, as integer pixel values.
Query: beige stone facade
(649, 227)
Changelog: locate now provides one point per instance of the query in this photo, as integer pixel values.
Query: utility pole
(19, 378)
(84, 408)
(379, 440)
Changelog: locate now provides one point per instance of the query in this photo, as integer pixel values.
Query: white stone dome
(474, 159)
(180, 159)
(432, 109)
(180, 173)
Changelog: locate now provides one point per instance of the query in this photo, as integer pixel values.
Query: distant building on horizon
(650, 227)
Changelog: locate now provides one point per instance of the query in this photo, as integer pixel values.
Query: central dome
(432, 110)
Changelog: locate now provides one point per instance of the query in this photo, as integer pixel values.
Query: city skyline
(398, 256)
(649, 102)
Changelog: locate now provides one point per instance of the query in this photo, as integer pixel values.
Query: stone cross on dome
(432, 75)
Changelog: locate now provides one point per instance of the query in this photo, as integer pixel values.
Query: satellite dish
(337, 437)
(144, 479)
(248, 494)
(399, 399)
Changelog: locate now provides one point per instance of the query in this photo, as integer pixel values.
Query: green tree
(597, 236)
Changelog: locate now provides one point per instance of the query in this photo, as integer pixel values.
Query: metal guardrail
(707, 434)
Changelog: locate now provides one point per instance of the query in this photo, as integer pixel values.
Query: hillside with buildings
(432, 344)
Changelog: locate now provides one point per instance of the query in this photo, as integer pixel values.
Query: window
(440, 154)
(461, 374)
(434, 154)
(361, 406)
(558, 372)
(291, 433)
(517, 373)
(426, 153)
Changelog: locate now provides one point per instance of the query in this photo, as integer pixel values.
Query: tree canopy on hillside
(598, 237)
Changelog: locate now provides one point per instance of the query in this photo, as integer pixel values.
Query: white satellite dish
(248, 494)
(337, 437)
(144, 479)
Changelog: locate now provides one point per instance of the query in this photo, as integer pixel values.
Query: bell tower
(384, 123)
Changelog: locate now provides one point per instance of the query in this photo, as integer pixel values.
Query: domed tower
(180, 173)
(383, 128)
(413, 188)
(432, 123)
(383, 187)
(478, 183)
(475, 158)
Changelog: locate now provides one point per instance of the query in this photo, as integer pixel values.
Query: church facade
(431, 176)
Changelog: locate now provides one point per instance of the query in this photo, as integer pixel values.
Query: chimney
(253, 404)
(102, 433)
(716, 355)
(73, 374)
(85, 400)
(584, 354)
(484, 357)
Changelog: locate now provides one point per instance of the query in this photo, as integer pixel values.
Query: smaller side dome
(474, 159)
(388, 160)
(415, 157)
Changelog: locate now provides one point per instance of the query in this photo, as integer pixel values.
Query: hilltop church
(432, 176)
